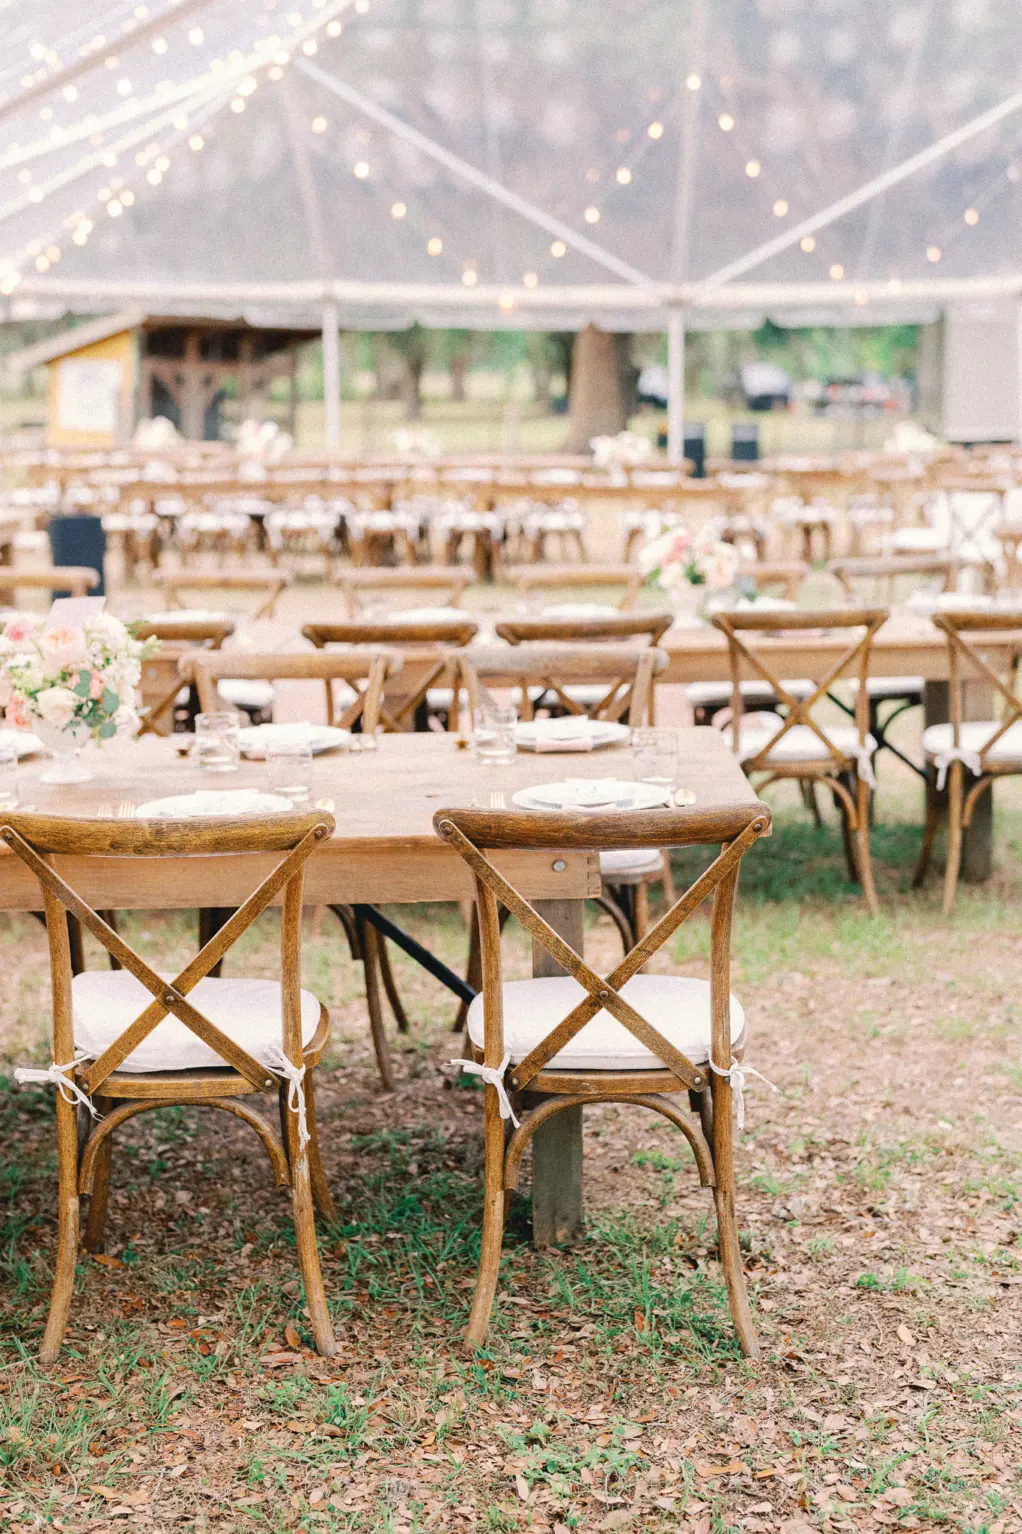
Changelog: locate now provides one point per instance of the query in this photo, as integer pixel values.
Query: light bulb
(971, 216)
(238, 104)
(115, 208)
(592, 215)
(160, 45)
(319, 125)
(752, 168)
(837, 271)
(196, 141)
(470, 277)
(334, 28)
(398, 210)
(153, 177)
(530, 280)
(435, 246)
(780, 208)
(725, 122)
(361, 170)
(127, 197)
(807, 243)
(624, 175)
(309, 47)
(124, 86)
(933, 253)
(693, 82)
(558, 249)
(196, 37)
(35, 194)
(655, 130)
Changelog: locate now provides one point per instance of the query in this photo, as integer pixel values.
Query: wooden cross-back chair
(79, 580)
(161, 680)
(363, 586)
(364, 671)
(534, 580)
(799, 746)
(624, 1037)
(267, 586)
(433, 667)
(129, 1040)
(884, 572)
(620, 678)
(987, 748)
(782, 577)
(651, 626)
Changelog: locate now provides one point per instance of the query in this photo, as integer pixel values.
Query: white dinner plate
(592, 794)
(597, 732)
(255, 738)
(208, 802)
(23, 741)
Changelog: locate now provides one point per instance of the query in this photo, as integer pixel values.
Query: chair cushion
(973, 736)
(104, 1003)
(678, 1006)
(801, 744)
(622, 867)
(246, 693)
(890, 686)
(700, 694)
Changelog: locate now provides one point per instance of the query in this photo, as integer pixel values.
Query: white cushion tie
(62, 1077)
(494, 1077)
(735, 1077)
(276, 1060)
(864, 762)
(943, 759)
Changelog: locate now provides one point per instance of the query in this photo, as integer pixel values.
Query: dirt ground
(878, 1198)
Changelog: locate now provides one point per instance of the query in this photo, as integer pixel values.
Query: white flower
(56, 705)
(126, 721)
(63, 648)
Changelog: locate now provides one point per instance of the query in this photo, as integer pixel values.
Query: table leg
(557, 1144)
(977, 851)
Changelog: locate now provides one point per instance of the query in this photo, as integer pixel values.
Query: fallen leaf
(640, 1321)
(906, 1336)
(522, 1487)
(106, 1261)
(280, 1360)
(291, 1336)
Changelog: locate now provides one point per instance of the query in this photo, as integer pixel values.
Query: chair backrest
(432, 666)
(160, 681)
(748, 656)
(474, 832)
(638, 624)
(942, 568)
(364, 671)
(966, 662)
(529, 579)
(363, 585)
(626, 675)
(269, 586)
(78, 579)
(36, 839)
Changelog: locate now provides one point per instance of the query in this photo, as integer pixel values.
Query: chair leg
(95, 1220)
(305, 1240)
(929, 833)
(955, 793)
(390, 986)
(369, 939)
(110, 917)
(493, 1226)
(808, 788)
(863, 855)
(640, 909)
(74, 935)
(727, 1220)
(67, 1231)
(320, 1187)
(473, 969)
(609, 902)
(846, 837)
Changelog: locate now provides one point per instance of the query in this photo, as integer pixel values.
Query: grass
(879, 1198)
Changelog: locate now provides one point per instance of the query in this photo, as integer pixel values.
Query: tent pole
(675, 385)
(331, 377)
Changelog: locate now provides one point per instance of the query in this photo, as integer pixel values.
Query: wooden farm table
(384, 850)
(905, 646)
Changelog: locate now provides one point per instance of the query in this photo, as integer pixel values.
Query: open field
(879, 1195)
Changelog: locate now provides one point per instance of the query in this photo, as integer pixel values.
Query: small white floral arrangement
(676, 558)
(620, 452)
(263, 440)
(79, 677)
(416, 443)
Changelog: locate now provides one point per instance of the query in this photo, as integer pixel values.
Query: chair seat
(629, 867)
(801, 744)
(973, 735)
(678, 1006)
(701, 694)
(106, 1002)
(891, 687)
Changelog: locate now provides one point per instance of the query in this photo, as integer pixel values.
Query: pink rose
(20, 629)
(96, 686)
(16, 715)
(64, 646)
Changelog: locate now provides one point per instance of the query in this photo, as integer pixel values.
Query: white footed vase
(65, 744)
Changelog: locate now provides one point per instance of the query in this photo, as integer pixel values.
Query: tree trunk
(411, 388)
(595, 408)
(459, 373)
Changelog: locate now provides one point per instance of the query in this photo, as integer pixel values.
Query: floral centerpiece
(71, 683)
(688, 567)
(614, 454)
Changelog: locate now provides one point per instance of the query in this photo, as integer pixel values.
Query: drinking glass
(494, 735)
(290, 769)
(655, 756)
(8, 776)
(217, 743)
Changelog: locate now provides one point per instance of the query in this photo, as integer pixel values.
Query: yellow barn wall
(121, 348)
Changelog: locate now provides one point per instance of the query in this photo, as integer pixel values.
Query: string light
(506, 303)
(780, 208)
(933, 253)
(624, 175)
(837, 271)
(592, 215)
(435, 246)
(693, 82)
(655, 130)
(971, 216)
(115, 207)
(752, 169)
(9, 281)
(319, 125)
(196, 142)
(124, 86)
(334, 28)
(398, 210)
(530, 280)
(361, 170)
(160, 45)
(470, 277)
(558, 249)
(807, 243)
(238, 104)
(725, 122)
(196, 37)
(309, 47)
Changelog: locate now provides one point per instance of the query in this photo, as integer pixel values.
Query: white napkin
(569, 734)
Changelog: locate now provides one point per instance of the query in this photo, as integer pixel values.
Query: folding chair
(430, 671)
(989, 748)
(624, 1037)
(132, 1039)
(799, 746)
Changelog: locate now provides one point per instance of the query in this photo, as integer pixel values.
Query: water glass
(8, 776)
(494, 736)
(290, 769)
(655, 756)
(217, 742)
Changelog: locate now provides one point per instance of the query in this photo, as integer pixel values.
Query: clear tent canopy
(510, 162)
